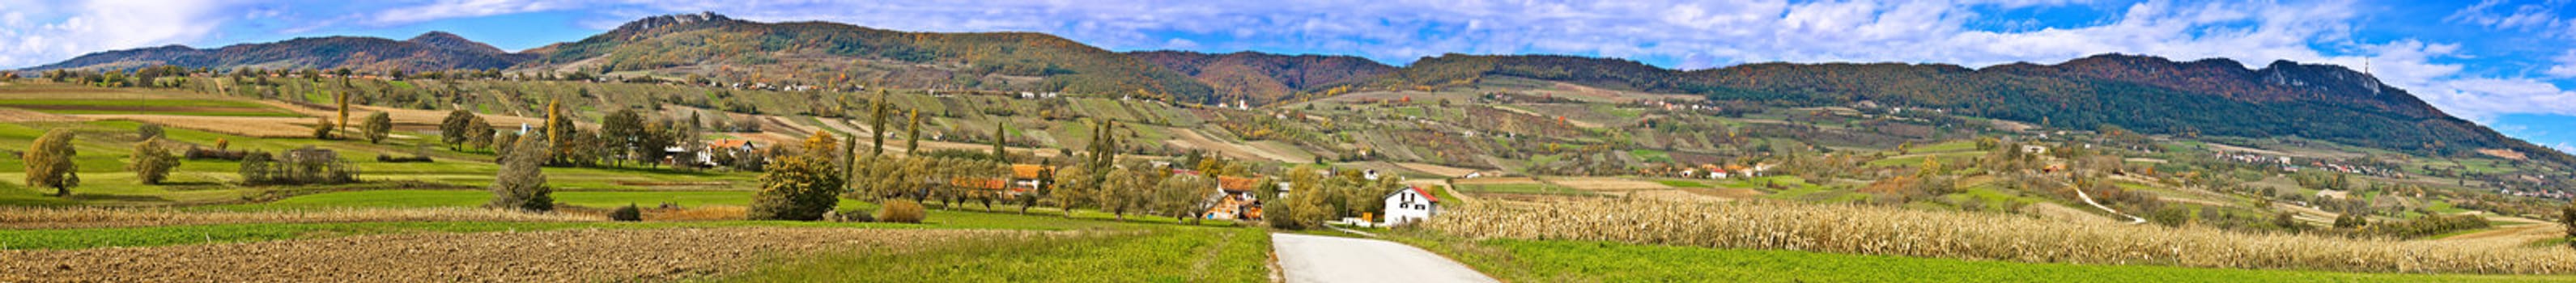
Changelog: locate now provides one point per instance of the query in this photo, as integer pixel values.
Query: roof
(1417, 190)
(1236, 183)
(729, 143)
(980, 183)
(1028, 171)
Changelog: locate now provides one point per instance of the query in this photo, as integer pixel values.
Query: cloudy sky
(2501, 63)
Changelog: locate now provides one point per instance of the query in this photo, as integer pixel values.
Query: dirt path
(2088, 199)
(553, 256)
(1306, 258)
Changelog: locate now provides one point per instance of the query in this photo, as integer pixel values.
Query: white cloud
(41, 32)
(2566, 67)
(445, 9)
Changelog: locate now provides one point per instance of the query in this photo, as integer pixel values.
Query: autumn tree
(151, 162)
(378, 126)
(49, 163)
(343, 99)
(799, 186)
(1073, 188)
(521, 182)
(452, 130)
(912, 134)
(1119, 194)
(478, 133)
(1183, 197)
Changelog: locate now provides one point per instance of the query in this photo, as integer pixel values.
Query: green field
(183, 107)
(1173, 254)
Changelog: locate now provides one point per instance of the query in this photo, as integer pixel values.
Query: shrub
(307, 165)
(217, 153)
(902, 212)
(147, 131)
(520, 184)
(387, 158)
(799, 186)
(150, 162)
(628, 213)
(853, 215)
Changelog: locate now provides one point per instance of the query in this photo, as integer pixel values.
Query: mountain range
(2141, 93)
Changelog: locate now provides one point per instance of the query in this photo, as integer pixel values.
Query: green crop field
(183, 107)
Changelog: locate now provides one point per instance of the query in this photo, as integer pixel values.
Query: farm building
(1027, 177)
(1234, 199)
(1409, 205)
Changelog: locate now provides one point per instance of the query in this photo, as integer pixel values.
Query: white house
(1409, 205)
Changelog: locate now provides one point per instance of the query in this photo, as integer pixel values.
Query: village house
(1026, 178)
(1409, 205)
(1234, 199)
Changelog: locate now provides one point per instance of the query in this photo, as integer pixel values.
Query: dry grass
(703, 213)
(56, 218)
(1607, 184)
(1895, 231)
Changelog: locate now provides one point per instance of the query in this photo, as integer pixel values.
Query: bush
(849, 215)
(218, 153)
(902, 212)
(628, 213)
(403, 159)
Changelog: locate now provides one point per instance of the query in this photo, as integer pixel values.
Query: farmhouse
(1409, 205)
(1234, 199)
(1027, 177)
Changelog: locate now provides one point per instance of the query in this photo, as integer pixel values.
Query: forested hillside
(1261, 77)
(434, 51)
(2141, 93)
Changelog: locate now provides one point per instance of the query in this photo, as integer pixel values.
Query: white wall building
(1409, 205)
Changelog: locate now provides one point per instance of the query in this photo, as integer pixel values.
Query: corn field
(1854, 229)
(57, 218)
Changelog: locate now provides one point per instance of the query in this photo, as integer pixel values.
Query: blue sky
(2505, 64)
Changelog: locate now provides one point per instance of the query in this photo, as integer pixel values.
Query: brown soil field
(552, 256)
(1495, 181)
(1435, 169)
(14, 115)
(53, 218)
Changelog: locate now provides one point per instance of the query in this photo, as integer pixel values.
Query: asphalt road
(1306, 258)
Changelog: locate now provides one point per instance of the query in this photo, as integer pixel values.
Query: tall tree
(521, 182)
(1001, 133)
(343, 99)
(876, 123)
(912, 135)
(378, 126)
(49, 163)
(623, 131)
